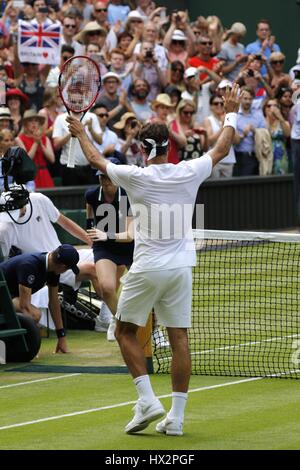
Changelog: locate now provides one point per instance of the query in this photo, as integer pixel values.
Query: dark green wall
(283, 14)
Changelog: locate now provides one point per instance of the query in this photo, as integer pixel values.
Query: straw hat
(32, 114)
(163, 99)
(92, 26)
(13, 92)
(5, 114)
(122, 123)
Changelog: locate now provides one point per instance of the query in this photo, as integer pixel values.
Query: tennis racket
(79, 85)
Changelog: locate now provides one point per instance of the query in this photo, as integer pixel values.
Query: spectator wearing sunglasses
(176, 75)
(213, 125)
(69, 29)
(276, 77)
(100, 14)
(204, 56)
(110, 140)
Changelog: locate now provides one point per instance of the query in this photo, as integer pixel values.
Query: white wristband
(230, 120)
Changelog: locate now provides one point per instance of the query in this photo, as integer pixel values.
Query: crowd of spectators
(156, 65)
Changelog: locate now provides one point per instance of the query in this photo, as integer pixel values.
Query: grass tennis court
(222, 413)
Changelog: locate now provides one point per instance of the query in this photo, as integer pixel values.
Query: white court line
(119, 405)
(29, 382)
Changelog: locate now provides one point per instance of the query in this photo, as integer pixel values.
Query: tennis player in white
(161, 273)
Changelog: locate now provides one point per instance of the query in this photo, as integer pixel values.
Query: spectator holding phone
(233, 51)
(179, 39)
(150, 35)
(265, 44)
(147, 67)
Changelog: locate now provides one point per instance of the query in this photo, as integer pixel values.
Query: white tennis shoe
(145, 413)
(111, 330)
(170, 427)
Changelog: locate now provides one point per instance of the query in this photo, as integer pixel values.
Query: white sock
(178, 405)
(144, 388)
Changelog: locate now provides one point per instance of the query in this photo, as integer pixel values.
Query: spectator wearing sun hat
(116, 104)
(179, 39)
(17, 102)
(38, 146)
(165, 113)
(128, 128)
(6, 121)
(92, 33)
(233, 52)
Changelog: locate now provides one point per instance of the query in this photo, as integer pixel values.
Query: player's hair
(157, 132)
(67, 48)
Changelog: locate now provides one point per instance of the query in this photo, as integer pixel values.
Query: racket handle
(71, 156)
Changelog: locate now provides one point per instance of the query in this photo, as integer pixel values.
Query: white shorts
(169, 292)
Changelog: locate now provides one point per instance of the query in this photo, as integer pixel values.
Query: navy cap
(68, 255)
(114, 160)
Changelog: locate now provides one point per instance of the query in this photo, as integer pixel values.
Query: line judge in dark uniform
(28, 273)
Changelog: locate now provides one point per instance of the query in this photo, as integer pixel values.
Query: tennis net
(246, 306)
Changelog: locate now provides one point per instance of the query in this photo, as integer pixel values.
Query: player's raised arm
(91, 153)
(226, 139)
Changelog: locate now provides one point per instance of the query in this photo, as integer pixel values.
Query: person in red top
(38, 147)
(204, 56)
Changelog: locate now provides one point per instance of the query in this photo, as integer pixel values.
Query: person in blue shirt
(248, 120)
(264, 45)
(28, 273)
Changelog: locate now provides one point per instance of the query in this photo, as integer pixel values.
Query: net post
(144, 335)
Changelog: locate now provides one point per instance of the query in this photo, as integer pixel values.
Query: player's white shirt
(60, 129)
(162, 189)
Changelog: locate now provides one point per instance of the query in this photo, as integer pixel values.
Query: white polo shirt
(60, 129)
(162, 199)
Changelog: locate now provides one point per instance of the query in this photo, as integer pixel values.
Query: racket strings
(79, 84)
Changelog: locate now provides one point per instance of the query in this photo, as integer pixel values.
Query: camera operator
(148, 69)
(28, 273)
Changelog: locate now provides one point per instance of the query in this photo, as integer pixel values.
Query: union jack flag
(39, 35)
